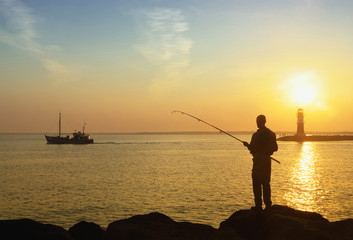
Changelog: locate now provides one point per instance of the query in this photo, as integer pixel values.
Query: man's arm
(249, 146)
(275, 145)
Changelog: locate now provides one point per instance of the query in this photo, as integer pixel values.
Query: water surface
(198, 178)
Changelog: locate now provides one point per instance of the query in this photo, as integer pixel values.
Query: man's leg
(267, 194)
(256, 185)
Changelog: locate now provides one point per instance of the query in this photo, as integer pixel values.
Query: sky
(124, 66)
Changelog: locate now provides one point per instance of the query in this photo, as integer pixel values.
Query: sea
(200, 178)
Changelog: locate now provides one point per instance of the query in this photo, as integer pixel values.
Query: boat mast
(59, 124)
(83, 128)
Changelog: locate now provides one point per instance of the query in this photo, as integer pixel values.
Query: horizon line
(184, 132)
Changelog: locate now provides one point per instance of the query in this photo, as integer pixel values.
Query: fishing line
(222, 131)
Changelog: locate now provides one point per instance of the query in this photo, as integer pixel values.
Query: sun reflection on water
(305, 191)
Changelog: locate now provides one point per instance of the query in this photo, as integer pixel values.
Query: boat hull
(67, 140)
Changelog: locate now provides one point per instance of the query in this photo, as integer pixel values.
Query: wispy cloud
(19, 31)
(20, 22)
(58, 71)
(163, 43)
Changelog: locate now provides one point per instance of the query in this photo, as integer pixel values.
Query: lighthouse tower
(300, 123)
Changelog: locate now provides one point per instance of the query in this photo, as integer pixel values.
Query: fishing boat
(77, 137)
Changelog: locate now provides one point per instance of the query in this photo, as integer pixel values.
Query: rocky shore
(280, 222)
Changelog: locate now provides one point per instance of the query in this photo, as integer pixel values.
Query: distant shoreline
(278, 133)
(135, 133)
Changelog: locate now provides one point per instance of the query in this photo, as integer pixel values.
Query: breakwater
(280, 222)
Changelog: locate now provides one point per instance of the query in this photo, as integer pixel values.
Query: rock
(157, 226)
(282, 222)
(29, 229)
(343, 229)
(86, 231)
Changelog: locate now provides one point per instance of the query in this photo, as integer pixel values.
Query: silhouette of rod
(222, 131)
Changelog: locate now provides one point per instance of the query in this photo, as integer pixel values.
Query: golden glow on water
(197, 178)
(305, 191)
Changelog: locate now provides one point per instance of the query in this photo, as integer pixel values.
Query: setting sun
(302, 89)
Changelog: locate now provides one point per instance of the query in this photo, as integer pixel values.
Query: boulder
(282, 222)
(157, 226)
(86, 231)
(23, 229)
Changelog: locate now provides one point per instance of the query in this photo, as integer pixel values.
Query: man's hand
(246, 144)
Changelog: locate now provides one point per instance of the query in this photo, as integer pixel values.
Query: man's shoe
(268, 208)
(256, 209)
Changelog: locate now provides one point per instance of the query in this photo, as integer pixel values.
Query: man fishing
(263, 144)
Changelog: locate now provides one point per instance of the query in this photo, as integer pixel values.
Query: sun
(302, 89)
(304, 93)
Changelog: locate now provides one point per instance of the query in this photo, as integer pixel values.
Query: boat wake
(136, 143)
(107, 143)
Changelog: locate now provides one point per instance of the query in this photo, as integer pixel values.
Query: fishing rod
(222, 131)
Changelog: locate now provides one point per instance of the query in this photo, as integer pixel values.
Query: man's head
(261, 120)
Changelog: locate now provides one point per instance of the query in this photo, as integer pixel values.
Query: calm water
(198, 178)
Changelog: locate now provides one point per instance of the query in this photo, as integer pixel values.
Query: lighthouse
(300, 123)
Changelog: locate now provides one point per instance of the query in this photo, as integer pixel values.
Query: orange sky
(123, 67)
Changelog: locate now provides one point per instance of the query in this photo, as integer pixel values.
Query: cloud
(163, 43)
(20, 22)
(163, 39)
(59, 72)
(19, 31)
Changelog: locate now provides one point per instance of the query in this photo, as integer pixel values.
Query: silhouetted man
(263, 144)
